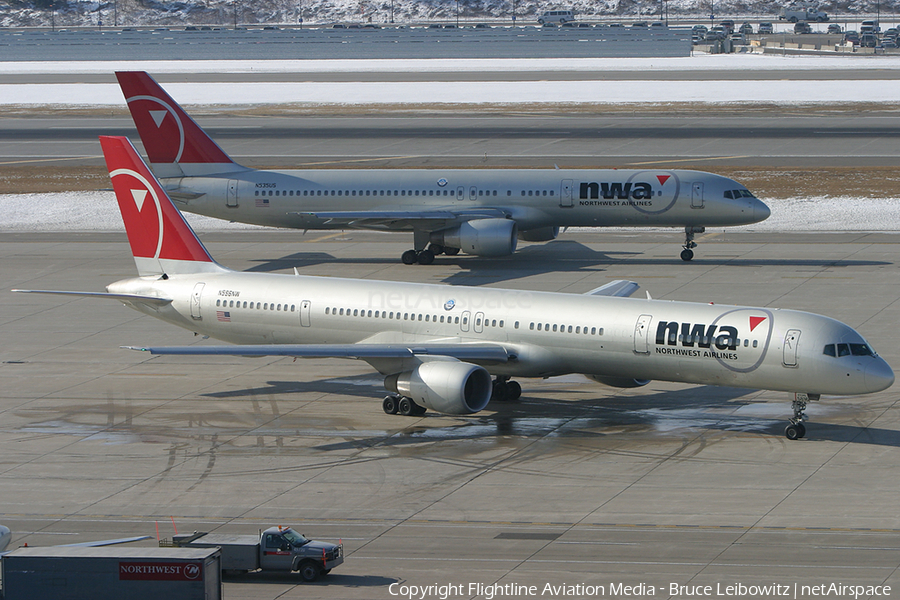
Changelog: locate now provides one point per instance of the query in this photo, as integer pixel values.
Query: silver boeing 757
(477, 211)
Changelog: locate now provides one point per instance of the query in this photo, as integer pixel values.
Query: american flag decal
(262, 203)
(223, 315)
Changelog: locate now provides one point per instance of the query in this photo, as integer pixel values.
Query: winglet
(175, 144)
(161, 240)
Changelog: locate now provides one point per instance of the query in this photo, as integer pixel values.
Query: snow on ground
(97, 211)
(454, 92)
(648, 90)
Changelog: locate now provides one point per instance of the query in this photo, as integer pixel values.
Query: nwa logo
(724, 337)
(630, 190)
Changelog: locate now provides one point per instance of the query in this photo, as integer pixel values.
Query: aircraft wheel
(515, 390)
(406, 407)
(409, 257)
(687, 254)
(436, 249)
(793, 432)
(802, 429)
(426, 257)
(451, 251)
(390, 405)
(309, 571)
(500, 392)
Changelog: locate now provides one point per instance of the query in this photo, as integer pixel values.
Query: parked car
(728, 25)
(852, 37)
(640, 25)
(834, 28)
(766, 27)
(888, 43)
(699, 29)
(746, 28)
(868, 40)
(556, 16)
(802, 27)
(869, 27)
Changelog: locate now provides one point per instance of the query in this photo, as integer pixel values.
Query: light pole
(392, 11)
(457, 14)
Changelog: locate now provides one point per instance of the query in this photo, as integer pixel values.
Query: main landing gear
(426, 256)
(422, 255)
(395, 404)
(689, 244)
(796, 429)
(505, 390)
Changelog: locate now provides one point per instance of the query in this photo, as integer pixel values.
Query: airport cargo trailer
(275, 549)
(113, 573)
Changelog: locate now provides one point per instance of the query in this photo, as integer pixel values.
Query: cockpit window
(839, 350)
(861, 350)
(735, 194)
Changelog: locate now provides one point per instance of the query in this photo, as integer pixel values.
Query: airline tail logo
(155, 228)
(168, 133)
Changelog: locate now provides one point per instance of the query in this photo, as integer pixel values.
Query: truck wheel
(309, 571)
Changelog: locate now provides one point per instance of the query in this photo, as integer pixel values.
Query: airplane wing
(620, 287)
(105, 542)
(127, 298)
(393, 218)
(477, 352)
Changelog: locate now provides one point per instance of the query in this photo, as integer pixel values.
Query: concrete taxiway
(576, 484)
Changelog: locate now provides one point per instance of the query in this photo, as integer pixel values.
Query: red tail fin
(169, 135)
(161, 240)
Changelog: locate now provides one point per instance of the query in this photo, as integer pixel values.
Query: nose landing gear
(689, 244)
(796, 429)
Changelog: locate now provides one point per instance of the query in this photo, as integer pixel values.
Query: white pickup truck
(275, 549)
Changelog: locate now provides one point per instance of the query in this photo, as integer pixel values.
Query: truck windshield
(294, 538)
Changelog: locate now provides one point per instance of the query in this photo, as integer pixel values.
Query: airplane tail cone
(161, 240)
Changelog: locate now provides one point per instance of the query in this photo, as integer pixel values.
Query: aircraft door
(231, 199)
(195, 301)
(473, 193)
(565, 193)
(642, 334)
(697, 194)
(304, 313)
(460, 193)
(479, 322)
(464, 321)
(791, 341)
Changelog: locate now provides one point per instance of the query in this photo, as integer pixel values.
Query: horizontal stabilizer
(476, 352)
(120, 297)
(621, 288)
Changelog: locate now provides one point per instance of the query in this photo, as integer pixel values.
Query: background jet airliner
(478, 211)
(438, 346)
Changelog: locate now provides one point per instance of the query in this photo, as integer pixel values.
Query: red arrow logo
(754, 321)
(663, 179)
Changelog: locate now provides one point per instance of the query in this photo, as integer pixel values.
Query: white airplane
(476, 211)
(437, 346)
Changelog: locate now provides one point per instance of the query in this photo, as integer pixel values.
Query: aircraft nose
(761, 212)
(879, 376)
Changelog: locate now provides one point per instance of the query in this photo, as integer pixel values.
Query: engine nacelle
(482, 237)
(619, 382)
(452, 388)
(541, 234)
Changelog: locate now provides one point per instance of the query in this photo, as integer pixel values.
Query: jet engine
(619, 382)
(452, 388)
(482, 237)
(541, 234)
